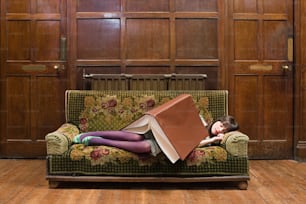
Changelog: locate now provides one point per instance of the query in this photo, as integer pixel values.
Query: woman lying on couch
(138, 143)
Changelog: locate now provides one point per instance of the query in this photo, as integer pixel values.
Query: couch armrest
(59, 141)
(236, 143)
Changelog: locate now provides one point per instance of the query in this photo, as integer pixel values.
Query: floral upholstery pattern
(68, 130)
(100, 155)
(206, 154)
(111, 112)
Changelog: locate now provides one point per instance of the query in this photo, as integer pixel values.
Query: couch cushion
(100, 155)
(104, 160)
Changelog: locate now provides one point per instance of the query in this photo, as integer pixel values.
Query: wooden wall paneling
(1, 79)
(22, 41)
(247, 108)
(98, 39)
(95, 38)
(46, 40)
(147, 40)
(301, 138)
(300, 81)
(33, 74)
(147, 37)
(147, 5)
(196, 5)
(275, 39)
(15, 6)
(98, 6)
(197, 47)
(196, 39)
(246, 43)
(277, 108)
(258, 49)
(18, 115)
(277, 111)
(276, 6)
(48, 104)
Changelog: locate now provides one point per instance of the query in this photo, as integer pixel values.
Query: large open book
(176, 126)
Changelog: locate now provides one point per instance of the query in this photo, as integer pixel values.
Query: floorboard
(272, 181)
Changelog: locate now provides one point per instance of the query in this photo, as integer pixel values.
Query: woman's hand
(210, 140)
(218, 138)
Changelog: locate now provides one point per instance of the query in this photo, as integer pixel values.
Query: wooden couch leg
(243, 185)
(53, 184)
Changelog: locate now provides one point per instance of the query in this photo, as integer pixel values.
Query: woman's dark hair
(229, 123)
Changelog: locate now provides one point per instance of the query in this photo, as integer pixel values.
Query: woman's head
(223, 124)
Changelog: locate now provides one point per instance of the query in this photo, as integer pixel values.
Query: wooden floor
(281, 181)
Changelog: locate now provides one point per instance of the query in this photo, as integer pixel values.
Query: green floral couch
(113, 110)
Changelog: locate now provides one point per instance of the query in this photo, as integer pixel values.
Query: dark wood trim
(301, 151)
(300, 65)
(242, 180)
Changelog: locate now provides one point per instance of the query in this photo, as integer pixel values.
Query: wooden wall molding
(300, 81)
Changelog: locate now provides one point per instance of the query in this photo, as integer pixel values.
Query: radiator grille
(187, 82)
(144, 81)
(149, 82)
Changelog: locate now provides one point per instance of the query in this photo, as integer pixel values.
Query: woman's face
(217, 128)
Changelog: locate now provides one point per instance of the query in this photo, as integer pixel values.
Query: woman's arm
(210, 140)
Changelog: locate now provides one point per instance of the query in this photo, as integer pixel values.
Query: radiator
(145, 81)
(187, 82)
(106, 82)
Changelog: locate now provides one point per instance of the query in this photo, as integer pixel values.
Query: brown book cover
(180, 121)
(176, 126)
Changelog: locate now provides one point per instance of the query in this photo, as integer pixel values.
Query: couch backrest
(113, 110)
